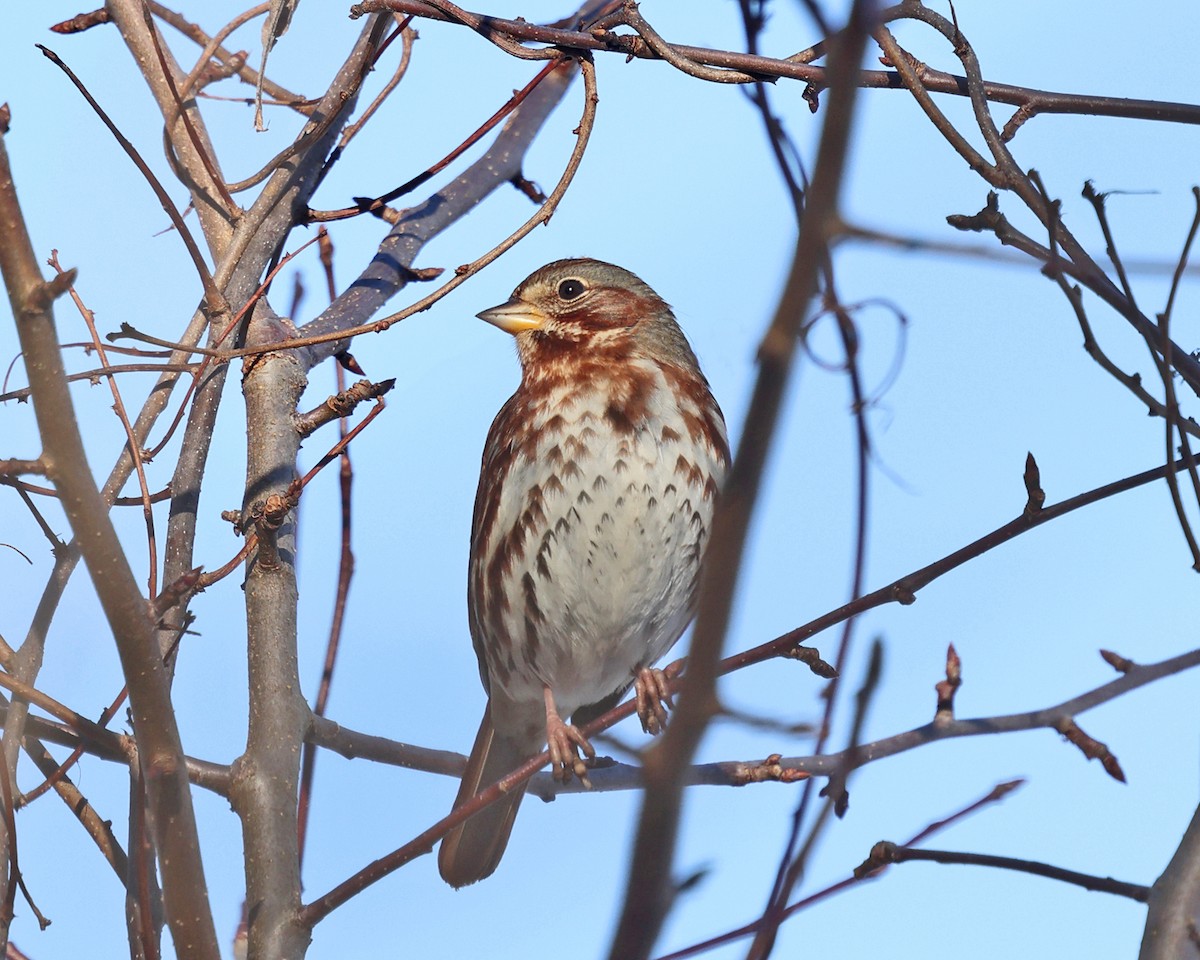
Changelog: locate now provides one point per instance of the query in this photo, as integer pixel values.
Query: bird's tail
(473, 850)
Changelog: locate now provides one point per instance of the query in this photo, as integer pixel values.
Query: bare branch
(341, 405)
(1174, 903)
(390, 271)
(232, 62)
(173, 821)
(999, 792)
(648, 892)
(884, 853)
(758, 67)
(216, 302)
(195, 166)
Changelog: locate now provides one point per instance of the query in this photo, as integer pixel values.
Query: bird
(596, 494)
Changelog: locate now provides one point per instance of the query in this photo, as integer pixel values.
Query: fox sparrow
(595, 498)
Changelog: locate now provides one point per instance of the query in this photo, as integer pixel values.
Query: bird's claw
(567, 749)
(653, 695)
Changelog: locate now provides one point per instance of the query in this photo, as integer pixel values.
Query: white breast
(605, 584)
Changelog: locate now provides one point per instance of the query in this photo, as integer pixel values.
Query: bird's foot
(652, 691)
(567, 746)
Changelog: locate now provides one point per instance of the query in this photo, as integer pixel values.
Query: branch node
(1024, 112)
(422, 274)
(175, 593)
(528, 187)
(987, 220)
(771, 769)
(903, 595)
(46, 292)
(948, 687)
(882, 854)
(812, 96)
(234, 517)
(81, 22)
(811, 657)
(1117, 662)
(341, 405)
(347, 361)
(268, 516)
(1092, 748)
(1033, 487)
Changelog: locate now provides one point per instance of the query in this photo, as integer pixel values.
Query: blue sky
(678, 187)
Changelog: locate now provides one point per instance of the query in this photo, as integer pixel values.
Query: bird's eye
(571, 289)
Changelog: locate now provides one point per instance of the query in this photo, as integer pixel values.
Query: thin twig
(216, 301)
(132, 445)
(996, 794)
(373, 205)
(884, 853)
(648, 891)
(246, 73)
(465, 271)
(758, 67)
(184, 116)
(125, 611)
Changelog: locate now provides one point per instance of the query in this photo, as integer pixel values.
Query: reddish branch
(376, 204)
(885, 852)
(1029, 101)
(997, 793)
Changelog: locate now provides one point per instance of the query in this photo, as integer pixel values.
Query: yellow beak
(514, 316)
